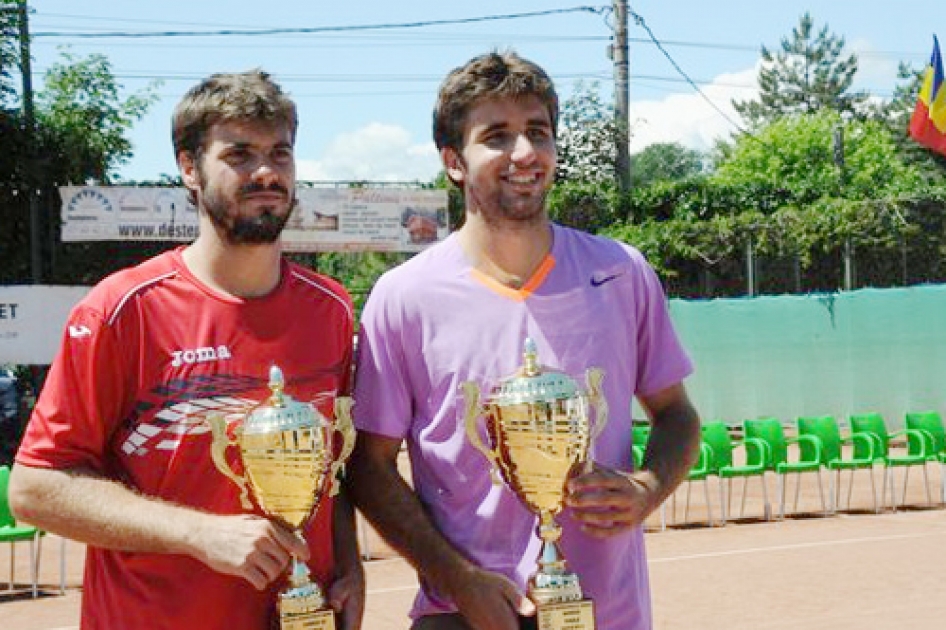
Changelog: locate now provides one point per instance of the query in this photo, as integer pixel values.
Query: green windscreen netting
(868, 350)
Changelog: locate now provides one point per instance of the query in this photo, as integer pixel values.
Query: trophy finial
(530, 357)
(277, 383)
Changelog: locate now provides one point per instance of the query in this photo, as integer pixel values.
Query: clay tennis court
(853, 570)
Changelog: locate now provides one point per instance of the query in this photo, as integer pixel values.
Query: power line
(640, 22)
(308, 30)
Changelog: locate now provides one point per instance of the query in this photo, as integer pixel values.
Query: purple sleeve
(383, 402)
(661, 358)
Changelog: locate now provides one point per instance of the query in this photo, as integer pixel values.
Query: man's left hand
(607, 502)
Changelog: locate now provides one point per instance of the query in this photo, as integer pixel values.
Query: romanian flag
(928, 125)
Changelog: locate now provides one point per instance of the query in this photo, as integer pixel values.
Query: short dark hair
(224, 97)
(493, 75)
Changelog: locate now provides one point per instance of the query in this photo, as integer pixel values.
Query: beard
(262, 229)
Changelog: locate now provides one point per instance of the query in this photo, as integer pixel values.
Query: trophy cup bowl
(539, 429)
(290, 463)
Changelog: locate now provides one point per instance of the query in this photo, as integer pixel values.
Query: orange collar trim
(519, 295)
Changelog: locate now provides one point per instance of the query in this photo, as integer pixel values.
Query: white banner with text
(325, 219)
(32, 318)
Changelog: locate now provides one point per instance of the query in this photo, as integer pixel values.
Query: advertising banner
(325, 219)
(32, 318)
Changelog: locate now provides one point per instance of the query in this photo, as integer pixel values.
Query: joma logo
(200, 355)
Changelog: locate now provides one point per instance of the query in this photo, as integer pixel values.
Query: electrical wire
(308, 30)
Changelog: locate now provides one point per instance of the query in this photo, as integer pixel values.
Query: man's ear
(188, 167)
(453, 164)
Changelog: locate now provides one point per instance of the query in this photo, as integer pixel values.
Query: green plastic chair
(640, 433)
(716, 436)
(701, 471)
(918, 452)
(826, 429)
(12, 533)
(777, 460)
(931, 424)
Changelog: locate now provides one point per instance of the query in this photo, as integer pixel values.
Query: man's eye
(237, 156)
(282, 156)
(494, 139)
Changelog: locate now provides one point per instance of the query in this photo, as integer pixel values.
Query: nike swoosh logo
(599, 278)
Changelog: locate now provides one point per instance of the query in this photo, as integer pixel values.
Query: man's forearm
(673, 447)
(100, 512)
(393, 509)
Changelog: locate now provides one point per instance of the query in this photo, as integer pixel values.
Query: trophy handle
(343, 424)
(593, 377)
(471, 394)
(218, 451)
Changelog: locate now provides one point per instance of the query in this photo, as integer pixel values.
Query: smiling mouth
(523, 180)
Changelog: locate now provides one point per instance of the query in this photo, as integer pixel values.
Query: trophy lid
(533, 383)
(280, 412)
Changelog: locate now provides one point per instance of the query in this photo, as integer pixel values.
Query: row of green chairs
(871, 446)
(820, 446)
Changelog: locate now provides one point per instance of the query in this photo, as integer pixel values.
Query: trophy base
(576, 615)
(303, 608)
(311, 620)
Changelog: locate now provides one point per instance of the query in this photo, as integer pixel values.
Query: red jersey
(144, 358)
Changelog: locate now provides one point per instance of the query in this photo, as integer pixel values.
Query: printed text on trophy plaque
(567, 616)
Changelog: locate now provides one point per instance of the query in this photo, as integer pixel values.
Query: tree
(798, 154)
(807, 74)
(586, 137)
(81, 127)
(782, 195)
(665, 161)
(9, 53)
(896, 114)
(86, 118)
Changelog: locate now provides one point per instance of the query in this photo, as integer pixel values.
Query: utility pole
(842, 184)
(622, 116)
(29, 122)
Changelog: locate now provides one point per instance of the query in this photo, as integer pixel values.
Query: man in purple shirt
(460, 311)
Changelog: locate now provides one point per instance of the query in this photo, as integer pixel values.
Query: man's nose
(265, 171)
(523, 151)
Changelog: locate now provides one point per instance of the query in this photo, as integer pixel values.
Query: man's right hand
(489, 601)
(248, 546)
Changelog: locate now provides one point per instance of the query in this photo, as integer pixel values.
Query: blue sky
(365, 97)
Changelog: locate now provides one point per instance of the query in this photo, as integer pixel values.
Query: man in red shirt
(117, 453)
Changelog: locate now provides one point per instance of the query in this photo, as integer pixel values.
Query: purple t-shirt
(435, 322)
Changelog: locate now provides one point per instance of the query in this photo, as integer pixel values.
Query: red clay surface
(856, 570)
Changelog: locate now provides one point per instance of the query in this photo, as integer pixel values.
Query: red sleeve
(83, 399)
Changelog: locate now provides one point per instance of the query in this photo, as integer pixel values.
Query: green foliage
(797, 153)
(87, 119)
(9, 51)
(665, 161)
(586, 206)
(356, 270)
(81, 128)
(896, 114)
(587, 137)
(808, 74)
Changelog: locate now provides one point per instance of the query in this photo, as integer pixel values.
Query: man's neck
(245, 271)
(508, 253)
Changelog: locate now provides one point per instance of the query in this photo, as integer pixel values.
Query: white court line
(737, 552)
(393, 589)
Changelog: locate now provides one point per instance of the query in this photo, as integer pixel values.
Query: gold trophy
(539, 429)
(289, 461)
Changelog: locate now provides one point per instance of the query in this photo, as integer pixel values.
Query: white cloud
(876, 70)
(688, 118)
(376, 152)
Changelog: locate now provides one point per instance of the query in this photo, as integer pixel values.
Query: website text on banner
(325, 219)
